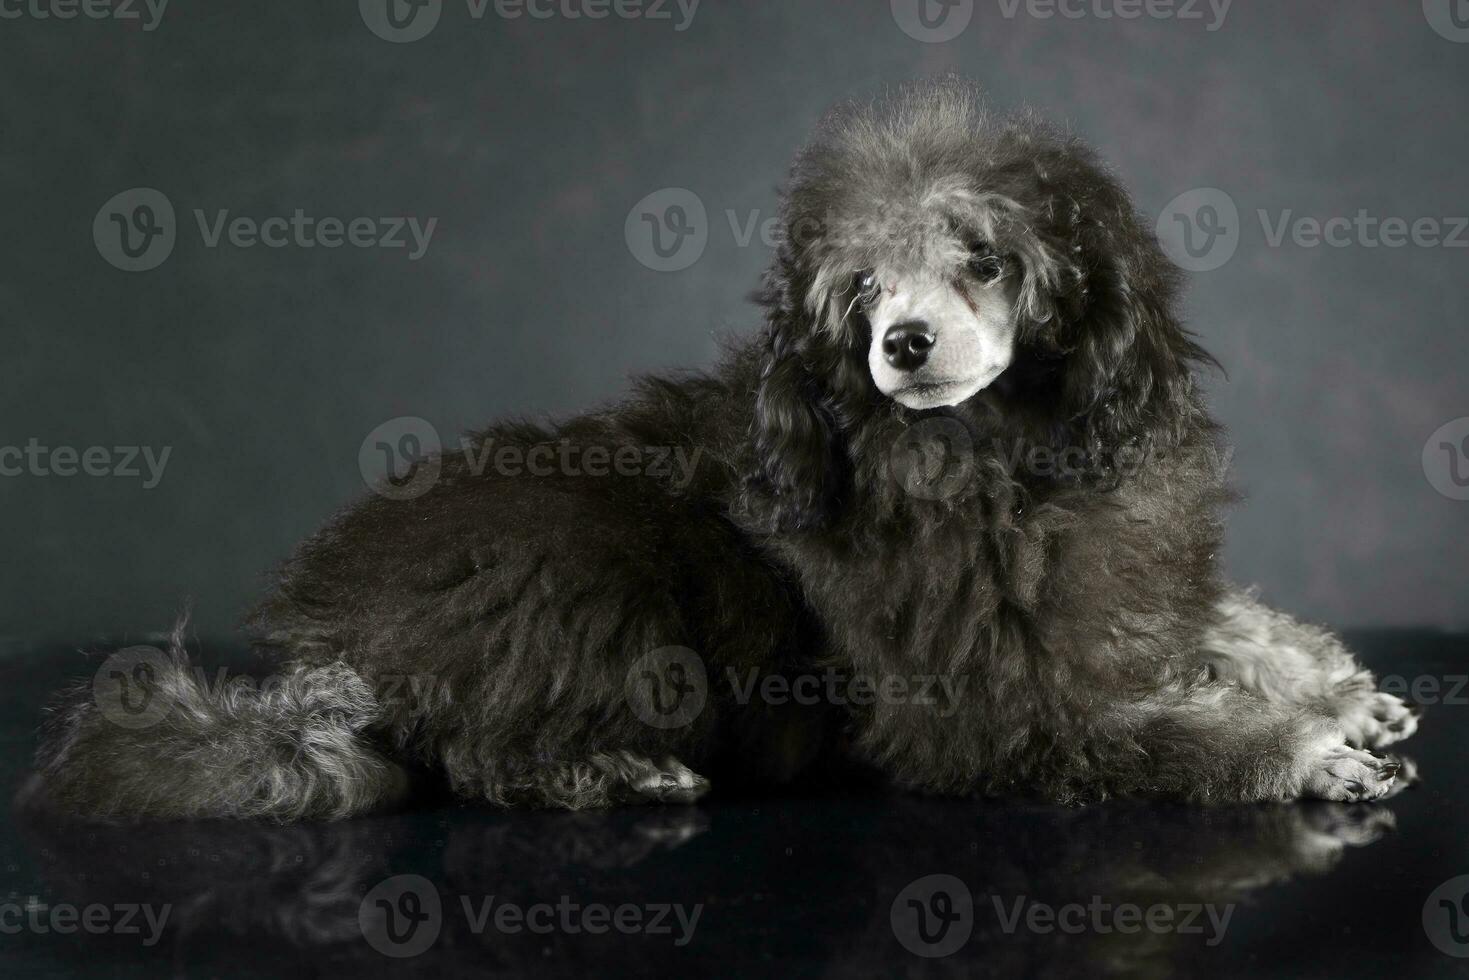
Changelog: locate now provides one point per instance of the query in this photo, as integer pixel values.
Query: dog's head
(935, 257)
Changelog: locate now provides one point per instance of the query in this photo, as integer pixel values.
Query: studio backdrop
(255, 252)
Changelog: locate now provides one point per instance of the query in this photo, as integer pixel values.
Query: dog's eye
(866, 286)
(984, 262)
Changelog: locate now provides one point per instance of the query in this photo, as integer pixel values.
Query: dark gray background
(530, 141)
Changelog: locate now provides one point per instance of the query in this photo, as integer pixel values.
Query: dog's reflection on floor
(1033, 877)
(795, 880)
(305, 883)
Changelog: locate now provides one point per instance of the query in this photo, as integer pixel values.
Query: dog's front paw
(1350, 775)
(1378, 719)
(671, 782)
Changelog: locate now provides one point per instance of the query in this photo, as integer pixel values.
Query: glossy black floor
(826, 883)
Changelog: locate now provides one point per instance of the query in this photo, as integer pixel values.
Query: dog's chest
(931, 594)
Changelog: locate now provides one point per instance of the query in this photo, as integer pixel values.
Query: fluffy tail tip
(148, 737)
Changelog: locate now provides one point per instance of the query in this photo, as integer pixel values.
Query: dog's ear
(798, 465)
(1106, 306)
(1128, 372)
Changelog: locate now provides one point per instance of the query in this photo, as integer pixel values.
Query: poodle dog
(956, 518)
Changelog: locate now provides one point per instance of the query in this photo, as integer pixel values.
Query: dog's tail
(147, 737)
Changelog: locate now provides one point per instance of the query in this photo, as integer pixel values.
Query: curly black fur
(1092, 646)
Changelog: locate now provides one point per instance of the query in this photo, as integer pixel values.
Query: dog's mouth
(928, 389)
(932, 387)
(943, 392)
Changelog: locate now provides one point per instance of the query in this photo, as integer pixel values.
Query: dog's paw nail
(1351, 775)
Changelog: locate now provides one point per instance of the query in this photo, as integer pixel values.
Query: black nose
(906, 345)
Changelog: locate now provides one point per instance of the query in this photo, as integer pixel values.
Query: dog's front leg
(1293, 663)
(1215, 742)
